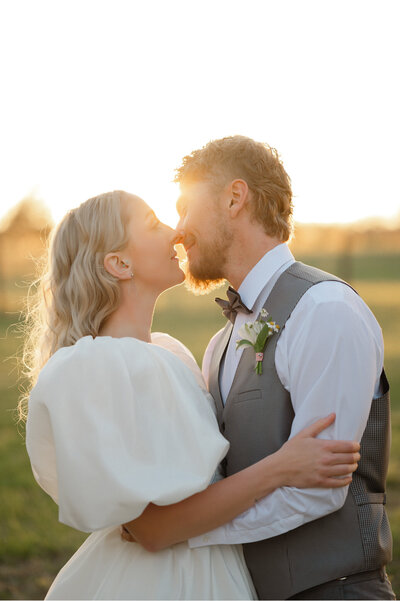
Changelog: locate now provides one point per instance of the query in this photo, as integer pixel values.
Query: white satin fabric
(114, 424)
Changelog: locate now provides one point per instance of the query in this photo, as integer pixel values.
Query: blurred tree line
(23, 235)
(25, 229)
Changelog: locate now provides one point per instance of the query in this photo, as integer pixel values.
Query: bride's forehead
(137, 207)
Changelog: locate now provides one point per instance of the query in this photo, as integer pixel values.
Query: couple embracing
(219, 482)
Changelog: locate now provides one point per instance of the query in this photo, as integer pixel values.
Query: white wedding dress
(114, 424)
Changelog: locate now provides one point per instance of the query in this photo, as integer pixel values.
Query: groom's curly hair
(239, 157)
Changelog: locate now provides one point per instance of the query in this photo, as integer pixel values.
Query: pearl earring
(126, 265)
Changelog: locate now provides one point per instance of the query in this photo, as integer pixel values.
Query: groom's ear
(117, 267)
(239, 192)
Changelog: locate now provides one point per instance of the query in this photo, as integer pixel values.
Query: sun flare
(85, 118)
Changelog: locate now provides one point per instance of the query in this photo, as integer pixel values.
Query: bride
(119, 418)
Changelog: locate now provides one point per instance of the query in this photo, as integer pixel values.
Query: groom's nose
(179, 236)
(180, 230)
(180, 224)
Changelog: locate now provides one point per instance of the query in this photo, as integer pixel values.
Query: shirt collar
(262, 272)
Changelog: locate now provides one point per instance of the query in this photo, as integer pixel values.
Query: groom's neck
(247, 249)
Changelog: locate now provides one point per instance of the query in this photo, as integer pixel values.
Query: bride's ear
(117, 267)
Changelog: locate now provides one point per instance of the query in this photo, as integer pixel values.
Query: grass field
(34, 545)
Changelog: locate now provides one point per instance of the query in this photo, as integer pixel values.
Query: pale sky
(101, 95)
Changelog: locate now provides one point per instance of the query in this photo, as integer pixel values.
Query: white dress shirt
(329, 357)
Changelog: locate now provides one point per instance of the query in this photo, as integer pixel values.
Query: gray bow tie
(233, 305)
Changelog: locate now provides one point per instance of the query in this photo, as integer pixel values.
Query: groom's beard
(198, 285)
(208, 271)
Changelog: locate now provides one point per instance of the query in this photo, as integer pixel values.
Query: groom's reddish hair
(239, 157)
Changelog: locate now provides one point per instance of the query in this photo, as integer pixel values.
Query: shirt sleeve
(329, 357)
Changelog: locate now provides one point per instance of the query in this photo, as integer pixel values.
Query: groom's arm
(331, 356)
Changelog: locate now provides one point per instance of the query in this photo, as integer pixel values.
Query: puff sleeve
(114, 424)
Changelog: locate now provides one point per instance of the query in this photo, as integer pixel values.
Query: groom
(235, 219)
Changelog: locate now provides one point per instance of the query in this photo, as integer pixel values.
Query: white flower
(273, 326)
(249, 331)
(258, 326)
(248, 335)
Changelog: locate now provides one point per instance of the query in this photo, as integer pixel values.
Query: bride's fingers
(336, 482)
(340, 446)
(341, 458)
(317, 427)
(339, 470)
(125, 534)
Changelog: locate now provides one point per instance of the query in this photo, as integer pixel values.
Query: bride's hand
(317, 463)
(126, 535)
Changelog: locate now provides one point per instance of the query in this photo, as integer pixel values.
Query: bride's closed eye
(154, 222)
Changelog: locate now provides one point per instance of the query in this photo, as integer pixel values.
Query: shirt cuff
(225, 535)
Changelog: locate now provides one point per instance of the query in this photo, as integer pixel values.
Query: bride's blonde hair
(74, 293)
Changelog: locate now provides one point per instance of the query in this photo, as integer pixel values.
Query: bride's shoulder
(87, 347)
(170, 343)
(104, 353)
(93, 354)
(181, 352)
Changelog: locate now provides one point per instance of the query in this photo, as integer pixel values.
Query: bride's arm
(303, 462)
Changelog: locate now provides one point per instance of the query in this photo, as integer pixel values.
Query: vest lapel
(246, 365)
(213, 383)
(279, 310)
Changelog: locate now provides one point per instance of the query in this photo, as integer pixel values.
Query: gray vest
(257, 419)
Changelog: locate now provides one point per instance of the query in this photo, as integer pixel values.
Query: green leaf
(262, 339)
(243, 342)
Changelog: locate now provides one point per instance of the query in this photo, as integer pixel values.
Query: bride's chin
(177, 278)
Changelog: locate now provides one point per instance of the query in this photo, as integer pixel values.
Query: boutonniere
(256, 334)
